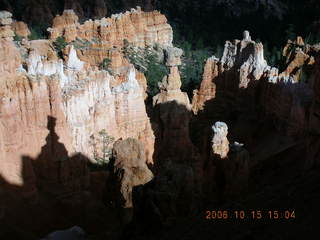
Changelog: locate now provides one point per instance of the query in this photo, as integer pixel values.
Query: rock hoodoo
(171, 84)
(172, 113)
(130, 167)
(220, 143)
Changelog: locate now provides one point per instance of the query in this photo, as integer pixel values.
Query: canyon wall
(244, 91)
(53, 109)
(57, 99)
(243, 77)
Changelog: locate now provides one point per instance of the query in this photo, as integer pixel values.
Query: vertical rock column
(207, 89)
(175, 188)
(9, 55)
(172, 110)
(171, 84)
(220, 143)
(232, 163)
(5, 21)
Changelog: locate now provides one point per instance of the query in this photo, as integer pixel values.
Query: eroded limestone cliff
(54, 103)
(82, 98)
(247, 93)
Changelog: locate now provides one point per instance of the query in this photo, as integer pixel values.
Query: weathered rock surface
(5, 21)
(176, 187)
(81, 111)
(130, 167)
(103, 39)
(243, 91)
(207, 89)
(21, 29)
(53, 106)
(52, 109)
(10, 58)
(297, 55)
(139, 28)
(239, 74)
(172, 114)
(170, 85)
(220, 143)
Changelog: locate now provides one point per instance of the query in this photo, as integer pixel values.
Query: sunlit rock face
(220, 143)
(242, 90)
(171, 84)
(54, 104)
(298, 56)
(83, 110)
(245, 55)
(10, 58)
(20, 28)
(242, 80)
(34, 128)
(130, 167)
(97, 106)
(242, 64)
(207, 89)
(96, 40)
(42, 59)
(140, 28)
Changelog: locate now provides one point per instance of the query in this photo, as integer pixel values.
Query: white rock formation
(246, 55)
(220, 143)
(246, 36)
(131, 85)
(74, 63)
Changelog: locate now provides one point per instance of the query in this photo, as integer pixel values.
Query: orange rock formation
(52, 109)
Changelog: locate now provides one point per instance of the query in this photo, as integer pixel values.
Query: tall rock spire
(171, 84)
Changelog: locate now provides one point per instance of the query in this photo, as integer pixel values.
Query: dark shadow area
(272, 120)
(56, 194)
(263, 117)
(170, 123)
